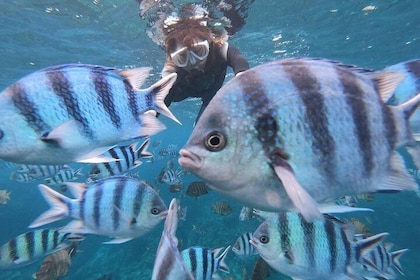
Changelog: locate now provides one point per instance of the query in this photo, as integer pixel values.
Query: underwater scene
(44, 230)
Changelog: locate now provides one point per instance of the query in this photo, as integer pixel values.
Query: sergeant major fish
(75, 112)
(317, 250)
(305, 130)
(121, 207)
(32, 245)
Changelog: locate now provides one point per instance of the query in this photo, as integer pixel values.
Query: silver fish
(281, 135)
(407, 89)
(124, 158)
(75, 112)
(120, 206)
(32, 245)
(203, 263)
(41, 171)
(63, 176)
(317, 250)
(242, 247)
(169, 264)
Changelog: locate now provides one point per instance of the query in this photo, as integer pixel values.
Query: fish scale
(297, 126)
(75, 112)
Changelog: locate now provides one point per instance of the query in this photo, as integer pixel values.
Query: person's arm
(236, 60)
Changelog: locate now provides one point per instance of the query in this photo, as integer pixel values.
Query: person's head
(187, 43)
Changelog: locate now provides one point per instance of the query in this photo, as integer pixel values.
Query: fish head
(224, 151)
(152, 212)
(266, 241)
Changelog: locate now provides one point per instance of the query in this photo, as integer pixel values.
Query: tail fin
(395, 258)
(160, 91)
(221, 258)
(58, 210)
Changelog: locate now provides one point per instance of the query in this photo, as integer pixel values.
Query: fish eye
(264, 239)
(155, 211)
(215, 141)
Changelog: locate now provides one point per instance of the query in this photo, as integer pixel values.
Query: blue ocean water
(37, 34)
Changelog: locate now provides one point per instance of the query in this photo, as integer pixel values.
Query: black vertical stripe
(117, 199)
(105, 96)
(284, 230)
(13, 250)
(114, 154)
(309, 236)
(97, 204)
(132, 99)
(63, 89)
(138, 199)
(332, 244)
(55, 239)
(82, 207)
(414, 68)
(44, 239)
(109, 168)
(316, 115)
(27, 109)
(347, 247)
(193, 260)
(355, 99)
(126, 158)
(30, 244)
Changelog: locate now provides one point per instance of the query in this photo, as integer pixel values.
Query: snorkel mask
(197, 53)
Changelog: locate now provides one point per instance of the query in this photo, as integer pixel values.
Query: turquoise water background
(37, 34)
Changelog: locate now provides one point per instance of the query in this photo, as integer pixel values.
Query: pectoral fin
(304, 203)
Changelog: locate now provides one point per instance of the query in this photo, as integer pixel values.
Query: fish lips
(190, 161)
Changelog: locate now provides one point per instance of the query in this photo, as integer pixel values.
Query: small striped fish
(408, 88)
(124, 158)
(28, 247)
(196, 189)
(41, 171)
(317, 250)
(121, 207)
(288, 134)
(242, 247)
(172, 176)
(203, 262)
(64, 175)
(169, 264)
(75, 112)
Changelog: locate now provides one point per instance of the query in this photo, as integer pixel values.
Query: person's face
(191, 58)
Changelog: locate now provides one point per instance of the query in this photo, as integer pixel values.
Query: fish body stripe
(44, 239)
(30, 243)
(193, 260)
(28, 109)
(128, 163)
(347, 247)
(309, 236)
(97, 205)
(114, 154)
(63, 89)
(55, 239)
(131, 99)
(13, 250)
(104, 92)
(117, 199)
(332, 244)
(389, 126)
(309, 90)
(354, 98)
(284, 229)
(138, 201)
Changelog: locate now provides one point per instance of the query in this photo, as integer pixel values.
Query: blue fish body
(121, 207)
(288, 134)
(75, 112)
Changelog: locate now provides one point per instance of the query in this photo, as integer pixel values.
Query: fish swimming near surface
(288, 134)
(203, 263)
(322, 249)
(121, 207)
(76, 112)
(56, 265)
(169, 264)
(407, 89)
(124, 158)
(32, 245)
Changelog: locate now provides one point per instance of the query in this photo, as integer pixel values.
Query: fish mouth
(190, 161)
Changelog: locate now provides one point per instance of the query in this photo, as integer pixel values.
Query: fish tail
(160, 90)
(221, 259)
(58, 207)
(396, 259)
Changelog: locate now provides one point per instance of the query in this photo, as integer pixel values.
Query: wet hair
(186, 32)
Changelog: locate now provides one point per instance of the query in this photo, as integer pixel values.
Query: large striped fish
(316, 250)
(169, 264)
(290, 133)
(408, 88)
(121, 207)
(75, 112)
(32, 245)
